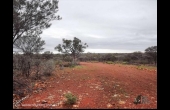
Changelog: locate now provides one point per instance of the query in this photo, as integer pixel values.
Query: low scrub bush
(48, 67)
(58, 62)
(71, 99)
(110, 62)
(66, 64)
(124, 62)
(22, 64)
(94, 61)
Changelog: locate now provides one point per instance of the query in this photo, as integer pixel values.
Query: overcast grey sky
(111, 26)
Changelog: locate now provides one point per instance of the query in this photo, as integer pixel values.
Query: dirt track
(96, 85)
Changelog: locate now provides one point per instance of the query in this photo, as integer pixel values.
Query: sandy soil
(96, 85)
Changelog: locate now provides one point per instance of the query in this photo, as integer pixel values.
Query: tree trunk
(74, 60)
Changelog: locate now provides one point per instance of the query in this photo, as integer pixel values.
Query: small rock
(40, 90)
(61, 106)
(115, 95)
(75, 106)
(122, 102)
(97, 87)
(113, 104)
(43, 101)
(14, 95)
(78, 102)
(35, 91)
(101, 88)
(152, 98)
(50, 97)
(60, 103)
(64, 99)
(38, 101)
(80, 98)
(53, 105)
(68, 92)
(127, 96)
(109, 105)
(91, 87)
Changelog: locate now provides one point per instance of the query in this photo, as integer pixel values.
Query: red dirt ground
(96, 85)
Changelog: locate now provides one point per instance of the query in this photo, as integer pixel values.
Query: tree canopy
(71, 47)
(151, 49)
(152, 52)
(29, 44)
(31, 16)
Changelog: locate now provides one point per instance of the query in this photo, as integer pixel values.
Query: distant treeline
(129, 58)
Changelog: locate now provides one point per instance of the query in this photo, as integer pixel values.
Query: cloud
(113, 25)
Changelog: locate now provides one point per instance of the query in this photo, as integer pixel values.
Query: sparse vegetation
(109, 62)
(48, 67)
(124, 62)
(151, 52)
(78, 67)
(142, 67)
(31, 68)
(71, 99)
(135, 58)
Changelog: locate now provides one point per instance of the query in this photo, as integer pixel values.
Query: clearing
(96, 85)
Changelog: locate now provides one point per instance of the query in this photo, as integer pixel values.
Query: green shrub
(48, 67)
(94, 61)
(58, 62)
(71, 99)
(124, 62)
(110, 62)
(67, 64)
